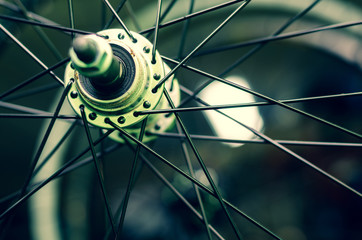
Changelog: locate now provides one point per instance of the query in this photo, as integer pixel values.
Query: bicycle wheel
(284, 77)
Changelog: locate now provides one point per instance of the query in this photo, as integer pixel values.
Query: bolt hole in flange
(115, 78)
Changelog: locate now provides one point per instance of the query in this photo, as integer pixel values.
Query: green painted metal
(92, 57)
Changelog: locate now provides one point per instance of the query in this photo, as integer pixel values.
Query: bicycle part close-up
(181, 119)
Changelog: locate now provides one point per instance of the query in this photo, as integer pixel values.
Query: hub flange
(114, 76)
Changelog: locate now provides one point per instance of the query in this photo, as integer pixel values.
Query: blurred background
(275, 189)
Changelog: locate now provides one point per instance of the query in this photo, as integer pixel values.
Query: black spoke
(46, 25)
(257, 104)
(195, 14)
(45, 137)
(281, 37)
(118, 19)
(89, 160)
(51, 178)
(167, 10)
(32, 15)
(39, 31)
(20, 108)
(71, 16)
(136, 176)
(269, 99)
(163, 15)
(113, 17)
(200, 45)
(34, 162)
(179, 195)
(35, 77)
(159, 7)
(55, 148)
(33, 113)
(291, 153)
(8, 220)
(135, 140)
(70, 167)
(240, 105)
(258, 141)
(36, 59)
(99, 174)
(132, 15)
(196, 189)
(33, 91)
(251, 52)
(103, 15)
(39, 116)
(304, 161)
(198, 183)
(131, 178)
(185, 31)
(203, 166)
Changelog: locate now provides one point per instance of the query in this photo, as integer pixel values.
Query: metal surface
(118, 93)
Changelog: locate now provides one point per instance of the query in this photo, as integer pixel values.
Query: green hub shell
(137, 97)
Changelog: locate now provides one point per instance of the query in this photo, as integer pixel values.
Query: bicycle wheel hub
(114, 75)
